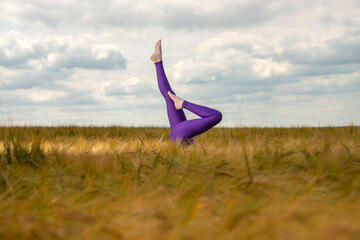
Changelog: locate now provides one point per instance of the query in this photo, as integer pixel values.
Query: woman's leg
(175, 116)
(182, 129)
(185, 130)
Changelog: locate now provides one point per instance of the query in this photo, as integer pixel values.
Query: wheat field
(114, 182)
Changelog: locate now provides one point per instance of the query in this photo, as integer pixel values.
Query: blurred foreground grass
(133, 183)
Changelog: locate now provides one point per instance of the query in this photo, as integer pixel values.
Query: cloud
(279, 62)
(35, 61)
(143, 14)
(131, 86)
(255, 67)
(56, 52)
(268, 68)
(173, 15)
(260, 56)
(12, 53)
(29, 78)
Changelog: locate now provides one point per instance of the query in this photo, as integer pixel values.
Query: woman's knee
(217, 117)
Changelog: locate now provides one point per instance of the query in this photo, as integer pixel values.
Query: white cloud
(277, 62)
(269, 68)
(41, 95)
(56, 52)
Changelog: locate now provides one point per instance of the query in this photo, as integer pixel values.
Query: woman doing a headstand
(181, 129)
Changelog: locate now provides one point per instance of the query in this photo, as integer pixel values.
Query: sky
(261, 63)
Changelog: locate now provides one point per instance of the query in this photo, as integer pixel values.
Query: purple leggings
(181, 129)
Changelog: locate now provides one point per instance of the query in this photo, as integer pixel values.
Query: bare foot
(177, 101)
(157, 55)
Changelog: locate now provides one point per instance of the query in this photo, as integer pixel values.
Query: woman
(181, 129)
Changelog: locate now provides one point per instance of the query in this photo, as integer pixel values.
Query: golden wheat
(133, 183)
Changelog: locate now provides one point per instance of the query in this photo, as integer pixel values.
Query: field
(133, 183)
